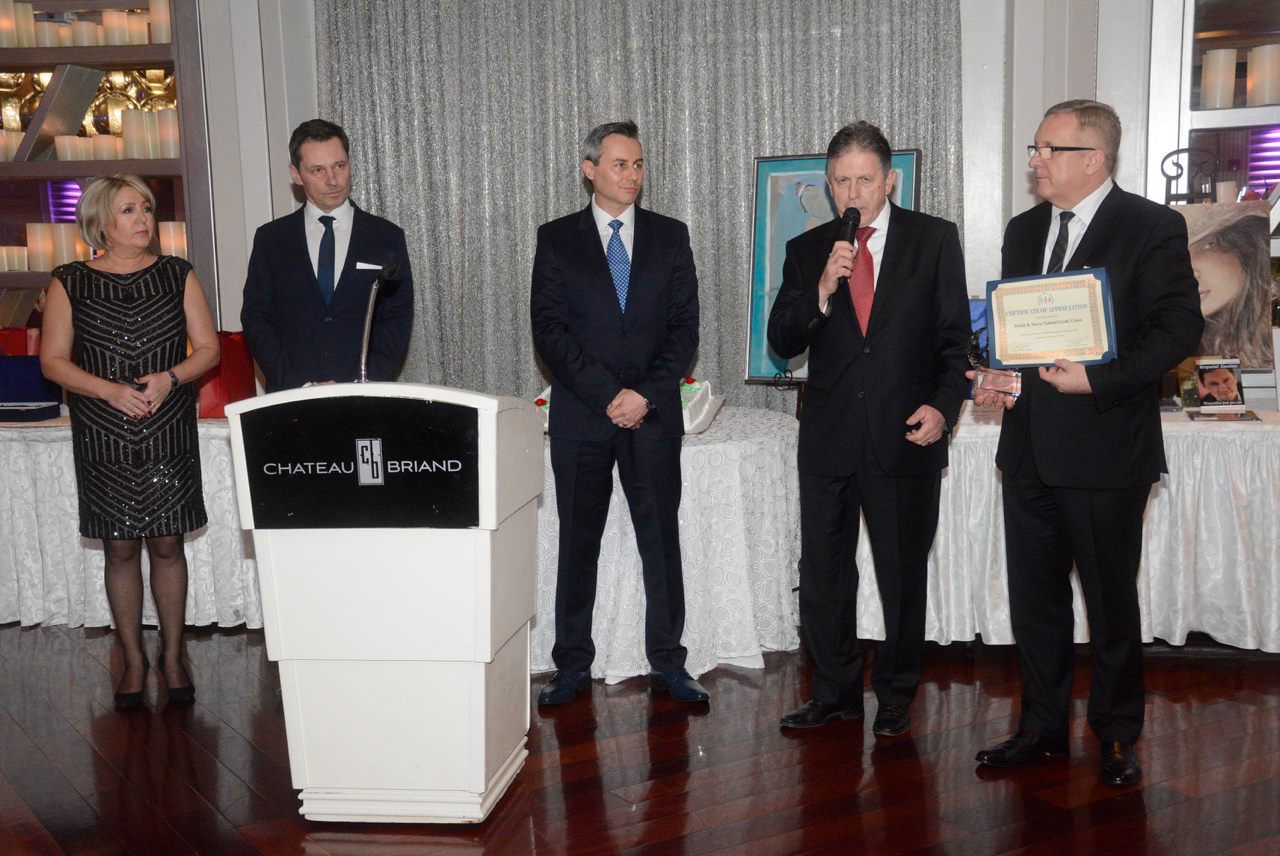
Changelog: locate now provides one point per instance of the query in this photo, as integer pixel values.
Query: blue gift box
(25, 394)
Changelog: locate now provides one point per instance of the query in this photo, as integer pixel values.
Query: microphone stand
(368, 324)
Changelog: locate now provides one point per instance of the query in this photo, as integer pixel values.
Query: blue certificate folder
(25, 394)
(1046, 306)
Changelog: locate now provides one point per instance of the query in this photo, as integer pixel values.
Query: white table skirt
(1211, 555)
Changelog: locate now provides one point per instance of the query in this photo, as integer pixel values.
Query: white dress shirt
(342, 216)
(1084, 212)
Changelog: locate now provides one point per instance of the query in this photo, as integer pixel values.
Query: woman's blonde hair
(93, 211)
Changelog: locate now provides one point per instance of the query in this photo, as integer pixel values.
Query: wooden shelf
(1235, 117)
(59, 6)
(107, 57)
(52, 170)
(24, 279)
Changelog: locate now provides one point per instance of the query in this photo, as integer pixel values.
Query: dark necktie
(619, 263)
(324, 264)
(1058, 254)
(862, 282)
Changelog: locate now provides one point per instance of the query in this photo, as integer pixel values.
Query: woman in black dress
(115, 337)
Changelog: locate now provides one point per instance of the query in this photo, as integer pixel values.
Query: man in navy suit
(1081, 447)
(311, 272)
(885, 320)
(614, 307)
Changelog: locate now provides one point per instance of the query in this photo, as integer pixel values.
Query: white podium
(395, 527)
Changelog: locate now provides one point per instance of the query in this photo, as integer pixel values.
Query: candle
(173, 239)
(151, 127)
(46, 34)
(104, 147)
(169, 145)
(40, 246)
(66, 38)
(65, 147)
(137, 28)
(1263, 83)
(102, 35)
(64, 243)
(17, 257)
(1218, 78)
(84, 34)
(116, 26)
(161, 21)
(134, 132)
(4, 258)
(85, 148)
(25, 19)
(8, 25)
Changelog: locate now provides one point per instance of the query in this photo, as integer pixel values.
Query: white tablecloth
(1211, 555)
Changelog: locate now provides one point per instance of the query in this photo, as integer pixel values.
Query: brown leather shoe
(1020, 750)
(1119, 764)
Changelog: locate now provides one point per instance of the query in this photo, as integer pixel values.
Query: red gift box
(14, 342)
(231, 380)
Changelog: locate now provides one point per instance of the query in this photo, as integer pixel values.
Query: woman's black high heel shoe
(125, 701)
(185, 694)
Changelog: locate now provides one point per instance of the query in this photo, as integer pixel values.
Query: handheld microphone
(390, 267)
(848, 231)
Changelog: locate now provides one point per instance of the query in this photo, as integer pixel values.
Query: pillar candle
(151, 126)
(134, 132)
(66, 38)
(1225, 191)
(169, 145)
(64, 145)
(104, 147)
(46, 34)
(8, 25)
(102, 35)
(116, 27)
(161, 21)
(64, 243)
(17, 257)
(1218, 79)
(137, 28)
(25, 19)
(84, 34)
(173, 239)
(40, 246)
(4, 258)
(1264, 76)
(85, 146)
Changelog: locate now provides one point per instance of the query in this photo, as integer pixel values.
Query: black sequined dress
(136, 477)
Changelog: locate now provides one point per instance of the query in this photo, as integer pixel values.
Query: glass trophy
(985, 378)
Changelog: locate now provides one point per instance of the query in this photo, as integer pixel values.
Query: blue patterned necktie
(619, 263)
(324, 264)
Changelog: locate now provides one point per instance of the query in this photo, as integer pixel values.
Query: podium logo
(369, 466)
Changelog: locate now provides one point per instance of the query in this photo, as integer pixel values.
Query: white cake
(697, 404)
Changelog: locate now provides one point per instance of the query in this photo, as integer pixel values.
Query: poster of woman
(1231, 257)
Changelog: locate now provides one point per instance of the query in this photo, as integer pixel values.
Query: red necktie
(862, 282)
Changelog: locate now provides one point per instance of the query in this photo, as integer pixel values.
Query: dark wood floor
(623, 772)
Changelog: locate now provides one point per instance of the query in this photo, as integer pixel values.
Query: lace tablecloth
(1211, 555)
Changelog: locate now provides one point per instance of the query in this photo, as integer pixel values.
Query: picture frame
(791, 197)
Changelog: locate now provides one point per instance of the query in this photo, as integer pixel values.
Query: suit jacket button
(866, 350)
(861, 394)
(328, 318)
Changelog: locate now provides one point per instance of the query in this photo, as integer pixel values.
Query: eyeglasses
(1047, 152)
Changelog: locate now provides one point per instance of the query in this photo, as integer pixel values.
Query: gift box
(19, 341)
(231, 380)
(25, 394)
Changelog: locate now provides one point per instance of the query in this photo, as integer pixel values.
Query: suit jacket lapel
(1099, 227)
(897, 242)
(593, 255)
(356, 249)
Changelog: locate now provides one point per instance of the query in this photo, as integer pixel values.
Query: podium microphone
(848, 231)
(390, 266)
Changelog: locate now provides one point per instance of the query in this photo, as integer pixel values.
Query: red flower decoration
(690, 380)
(541, 402)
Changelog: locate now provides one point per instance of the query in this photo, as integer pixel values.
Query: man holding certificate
(1081, 445)
(884, 313)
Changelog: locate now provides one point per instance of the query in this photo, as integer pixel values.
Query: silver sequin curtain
(465, 119)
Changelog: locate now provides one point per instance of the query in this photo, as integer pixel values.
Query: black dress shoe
(891, 720)
(563, 687)
(813, 713)
(680, 684)
(125, 701)
(1021, 750)
(1119, 764)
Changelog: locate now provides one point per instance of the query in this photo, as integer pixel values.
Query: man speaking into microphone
(885, 318)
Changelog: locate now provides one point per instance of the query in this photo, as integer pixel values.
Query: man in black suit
(311, 272)
(886, 322)
(614, 307)
(1081, 447)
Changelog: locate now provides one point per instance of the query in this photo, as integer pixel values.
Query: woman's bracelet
(173, 381)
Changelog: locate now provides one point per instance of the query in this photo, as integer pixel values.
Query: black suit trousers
(1099, 531)
(902, 517)
(649, 470)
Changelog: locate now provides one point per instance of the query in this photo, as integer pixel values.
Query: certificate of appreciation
(1038, 319)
